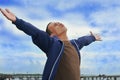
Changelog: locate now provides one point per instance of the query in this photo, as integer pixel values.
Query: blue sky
(19, 55)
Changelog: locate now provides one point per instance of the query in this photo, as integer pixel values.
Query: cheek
(63, 28)
(57, 28)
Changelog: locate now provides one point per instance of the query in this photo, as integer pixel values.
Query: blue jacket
(51, 46)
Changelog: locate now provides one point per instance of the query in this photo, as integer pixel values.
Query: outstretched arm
(9, 15)
(26, 27)
(86, 40)
(39, 37)
(20, 24)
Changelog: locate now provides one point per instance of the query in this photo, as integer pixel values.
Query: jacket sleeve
(84, 41)
(39, 37)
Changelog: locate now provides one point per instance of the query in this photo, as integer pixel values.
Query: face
(57, 28)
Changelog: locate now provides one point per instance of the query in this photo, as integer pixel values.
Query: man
(63, 56)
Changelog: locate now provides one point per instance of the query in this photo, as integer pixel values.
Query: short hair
(47, 30)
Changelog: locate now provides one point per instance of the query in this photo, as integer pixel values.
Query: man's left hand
(97, 36)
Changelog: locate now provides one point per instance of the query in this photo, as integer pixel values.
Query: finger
(4, 12)
(7, 10)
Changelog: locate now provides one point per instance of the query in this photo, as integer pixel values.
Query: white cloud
(104, 17)
(97, 63)
(110, 38)
(80, 31)
(21, 61)
(59, 5)
(36, 57)
(108, 22)
(77, 21)
(62, 6)
(76, 24)
(107, 3)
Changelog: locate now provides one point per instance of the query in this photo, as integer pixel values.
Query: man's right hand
(10, 16)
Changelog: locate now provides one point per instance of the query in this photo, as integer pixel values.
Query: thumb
(91, 33)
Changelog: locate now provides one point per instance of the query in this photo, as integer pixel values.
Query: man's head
(56, 29)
